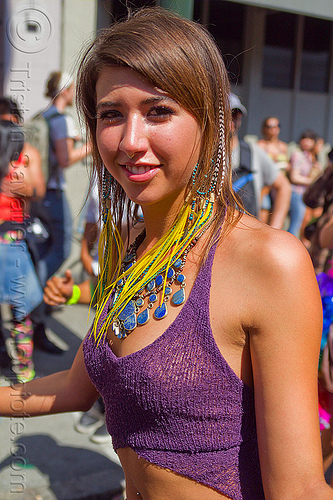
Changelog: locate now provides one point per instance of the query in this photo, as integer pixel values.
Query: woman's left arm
(284, 344)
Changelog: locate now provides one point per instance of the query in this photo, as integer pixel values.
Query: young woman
(213, 393)
(278, 151)
(274, 147)
(303, 170)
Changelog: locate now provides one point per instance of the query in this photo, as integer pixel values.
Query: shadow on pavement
(67, 469)
(45, 362)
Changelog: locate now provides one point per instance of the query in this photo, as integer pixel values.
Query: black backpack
(242, 180)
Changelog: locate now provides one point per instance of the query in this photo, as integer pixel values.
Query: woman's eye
(109, 115)
(160, 112)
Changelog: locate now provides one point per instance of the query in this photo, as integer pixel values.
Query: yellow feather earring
(175, 243)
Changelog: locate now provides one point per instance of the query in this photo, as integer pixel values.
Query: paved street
(44, 458)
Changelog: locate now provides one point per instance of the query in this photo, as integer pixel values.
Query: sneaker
(89, 422)
(101, 435)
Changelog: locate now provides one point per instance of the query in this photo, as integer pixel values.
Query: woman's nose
(134, 138)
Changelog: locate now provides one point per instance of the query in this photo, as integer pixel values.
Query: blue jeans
(19, 285)
(296, 213)
(53, 253)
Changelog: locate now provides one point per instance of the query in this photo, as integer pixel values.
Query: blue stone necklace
(137, 311)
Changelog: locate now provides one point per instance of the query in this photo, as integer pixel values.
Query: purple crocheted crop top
(179, 405)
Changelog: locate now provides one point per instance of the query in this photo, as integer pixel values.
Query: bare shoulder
(266, 252)
(273, 276)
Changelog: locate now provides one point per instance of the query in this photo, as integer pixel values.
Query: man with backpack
(61, 152)
(253, 170)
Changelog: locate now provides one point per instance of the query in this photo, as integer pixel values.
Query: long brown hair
(179, 57)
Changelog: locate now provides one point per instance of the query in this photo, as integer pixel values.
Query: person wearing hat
(253, 170)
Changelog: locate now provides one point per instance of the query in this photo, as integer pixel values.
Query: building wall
(38, 37)
(78, 29)
(31, 50)
(296, 109)
(320, 8)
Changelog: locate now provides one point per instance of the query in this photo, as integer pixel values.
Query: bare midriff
(146, 481)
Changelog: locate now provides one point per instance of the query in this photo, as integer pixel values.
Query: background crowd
(288, 186)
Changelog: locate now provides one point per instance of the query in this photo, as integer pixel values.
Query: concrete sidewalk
(44, 458)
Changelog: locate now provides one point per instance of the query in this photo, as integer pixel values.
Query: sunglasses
(272, 126)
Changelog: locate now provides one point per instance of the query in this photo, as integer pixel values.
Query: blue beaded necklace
(134, 314)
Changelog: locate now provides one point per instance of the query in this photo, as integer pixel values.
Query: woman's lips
(140, 173)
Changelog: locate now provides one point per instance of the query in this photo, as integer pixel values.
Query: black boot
(42, 342)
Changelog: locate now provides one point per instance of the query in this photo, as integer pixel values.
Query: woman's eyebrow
(156, 99)
(107, 104)
(149, 100)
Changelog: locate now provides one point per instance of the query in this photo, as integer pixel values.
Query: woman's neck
(158, 220)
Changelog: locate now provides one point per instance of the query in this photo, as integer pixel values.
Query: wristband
(74, 299)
